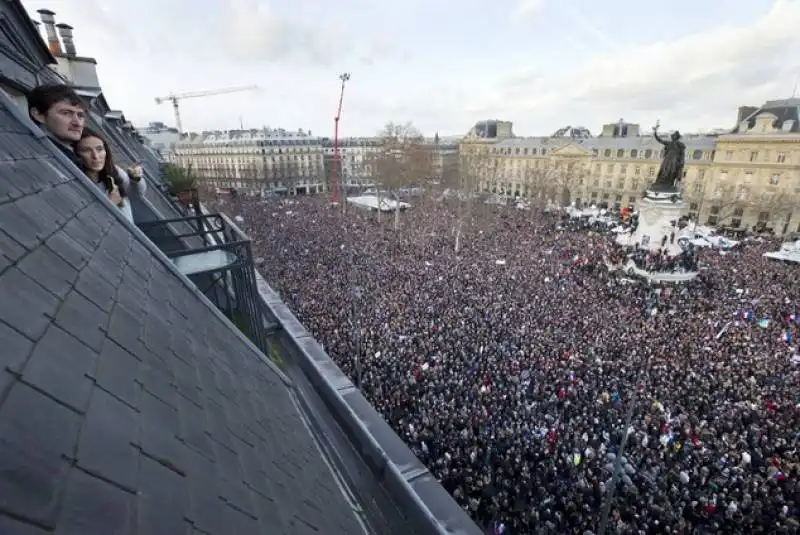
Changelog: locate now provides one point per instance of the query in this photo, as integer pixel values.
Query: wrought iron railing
(231, 286)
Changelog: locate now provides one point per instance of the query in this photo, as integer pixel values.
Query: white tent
(789, 252)
(371, 202)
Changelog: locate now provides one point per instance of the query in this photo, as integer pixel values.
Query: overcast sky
(442, 64)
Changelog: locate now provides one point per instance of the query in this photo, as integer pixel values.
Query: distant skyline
(441, 65)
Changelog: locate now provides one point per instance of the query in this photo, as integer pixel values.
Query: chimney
(745, 112)
(65, 31)
(49, 21)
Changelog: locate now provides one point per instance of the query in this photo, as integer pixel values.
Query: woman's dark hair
(108, 175)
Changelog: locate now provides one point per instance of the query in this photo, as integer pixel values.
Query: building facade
(356, 159)
(160, 137)
(754, 182)
(747, 179)
(254, 161)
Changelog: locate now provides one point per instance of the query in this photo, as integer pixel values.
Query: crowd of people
(518, 366)
(515, 366)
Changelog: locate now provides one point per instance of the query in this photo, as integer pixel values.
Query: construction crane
(344, 77)
(176, 98)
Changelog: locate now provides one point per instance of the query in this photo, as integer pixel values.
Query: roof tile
(95, 506)
(25, 305)
(69, 382)
(50, 271)
(84, 320)
(105, 445)
(31, 483)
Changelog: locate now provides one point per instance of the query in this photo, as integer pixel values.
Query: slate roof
(128, 405)
(786, 112)
(634, 142)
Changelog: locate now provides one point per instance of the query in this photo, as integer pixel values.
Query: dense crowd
(514, 366)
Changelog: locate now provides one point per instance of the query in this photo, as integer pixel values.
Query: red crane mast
(344, 77)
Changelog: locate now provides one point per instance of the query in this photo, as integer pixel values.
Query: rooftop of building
(157, 127)
(128, 400)
(601, 143)
(268, 136)
(786, 117)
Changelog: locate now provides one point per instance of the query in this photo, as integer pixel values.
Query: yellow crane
(175, 98)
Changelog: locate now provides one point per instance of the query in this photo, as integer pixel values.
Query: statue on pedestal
(671, 170)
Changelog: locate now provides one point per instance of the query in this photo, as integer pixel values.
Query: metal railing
(231, 287)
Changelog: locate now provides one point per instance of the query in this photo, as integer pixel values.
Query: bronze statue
(671, 170)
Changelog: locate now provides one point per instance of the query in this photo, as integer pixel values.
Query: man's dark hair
(44, 97)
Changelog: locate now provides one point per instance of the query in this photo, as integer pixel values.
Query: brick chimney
(745, 112)
(65, 31)
(49, 22)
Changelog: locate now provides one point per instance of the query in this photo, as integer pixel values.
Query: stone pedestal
(657, 211)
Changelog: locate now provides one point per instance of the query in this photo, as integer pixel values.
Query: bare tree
(474, 166)
(554, 181)
(475, 171)
(248, 173)
(732, 201)
(402, 161)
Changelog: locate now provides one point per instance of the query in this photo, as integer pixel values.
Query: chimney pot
(49, 22)
(744, 112)
(65, 30)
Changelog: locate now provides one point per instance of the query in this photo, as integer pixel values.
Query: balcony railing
(218, 258)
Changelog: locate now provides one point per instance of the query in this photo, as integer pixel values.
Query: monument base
(657, 230)
(675, 277)
(657, 212)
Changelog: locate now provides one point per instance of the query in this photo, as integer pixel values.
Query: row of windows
(754, 156)
(262, 143)
(647, 154)
(623, 169)
(179, 150)
(774, 178)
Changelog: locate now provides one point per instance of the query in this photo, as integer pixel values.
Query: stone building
(254, 161)
(746, 178)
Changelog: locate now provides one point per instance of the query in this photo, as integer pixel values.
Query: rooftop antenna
(796, 82)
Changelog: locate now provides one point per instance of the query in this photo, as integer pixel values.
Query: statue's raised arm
(655, 133)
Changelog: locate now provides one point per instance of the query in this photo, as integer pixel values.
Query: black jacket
(68, 151)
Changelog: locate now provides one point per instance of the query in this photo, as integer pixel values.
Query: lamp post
(357, 315)
(644, 372)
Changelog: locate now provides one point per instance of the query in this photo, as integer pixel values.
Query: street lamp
(357, 315)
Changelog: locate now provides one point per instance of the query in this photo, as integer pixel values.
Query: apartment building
(254, 161)
(356, 159)
(746, 178)
(160, 137)
(755, 177)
